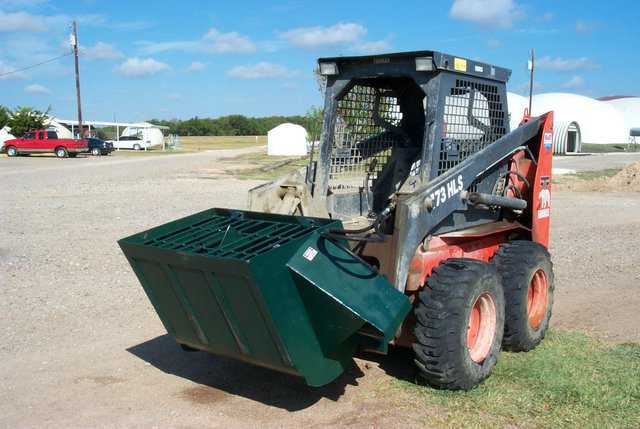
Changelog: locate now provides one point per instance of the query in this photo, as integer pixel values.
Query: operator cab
(393, 122)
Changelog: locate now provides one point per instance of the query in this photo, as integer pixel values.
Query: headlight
(424, 64)
(328, 69)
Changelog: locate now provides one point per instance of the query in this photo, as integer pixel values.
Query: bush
(24, 119)
(236, 125)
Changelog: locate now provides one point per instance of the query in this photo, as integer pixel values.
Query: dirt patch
(625, 180)
(204, 395)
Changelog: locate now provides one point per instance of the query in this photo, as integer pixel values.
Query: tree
(4, 116)
(24, 119)
(312, 122)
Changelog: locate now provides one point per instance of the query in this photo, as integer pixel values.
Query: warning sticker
(544, 197)
(310, 253)
(548, 140)
(460, 64)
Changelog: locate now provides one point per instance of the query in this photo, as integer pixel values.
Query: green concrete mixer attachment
(265, 289)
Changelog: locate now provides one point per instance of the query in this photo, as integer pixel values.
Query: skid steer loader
(421, 221)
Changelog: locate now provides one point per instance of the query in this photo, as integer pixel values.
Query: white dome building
(577, 119)
(628, 107)
(517, 104)
(62, 131)
(287, 139)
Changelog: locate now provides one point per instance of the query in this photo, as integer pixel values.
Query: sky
(171, 59)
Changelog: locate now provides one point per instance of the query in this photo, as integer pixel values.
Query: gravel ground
(82, 346)
(595, 161)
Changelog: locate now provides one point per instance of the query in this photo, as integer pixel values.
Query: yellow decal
(460, 64)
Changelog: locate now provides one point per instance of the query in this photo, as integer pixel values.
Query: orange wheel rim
(481, 327)
(537, 298)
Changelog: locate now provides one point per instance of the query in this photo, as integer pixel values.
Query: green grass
(199, 143)
(193, 144)
(570, 380)
(266, 167)
(603, 148)
(561, 181)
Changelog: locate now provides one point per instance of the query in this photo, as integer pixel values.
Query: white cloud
(158, 47)
(5, 68)
(213, 42)
(574, 82)
(546, 17)
(196, 66)
(13, 4)
(174, 96)
(584, 26)
(102, 51)
(260, 70)
(494, 43)
(500, 13)
(566, 64)
(22, 21)
(139, 67)
(342, 33)
(372, 47)
(222, 43)
(37, 89)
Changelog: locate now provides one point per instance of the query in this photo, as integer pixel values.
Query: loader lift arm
(423, 210)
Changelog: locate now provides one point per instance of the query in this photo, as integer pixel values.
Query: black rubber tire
(61, 152)
(442, 312)
(137, 147)
(517, 261)
(12, 151)
(95, 152)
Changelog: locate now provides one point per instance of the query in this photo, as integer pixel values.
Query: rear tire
(12, 151)
(61, 152)
(95, 151)
(527, 277)
(460, 319)
(136, 147)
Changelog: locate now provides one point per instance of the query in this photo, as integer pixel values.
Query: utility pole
(531, 68)
(74, 42)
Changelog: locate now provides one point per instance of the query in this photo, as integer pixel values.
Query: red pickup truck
(45, 142)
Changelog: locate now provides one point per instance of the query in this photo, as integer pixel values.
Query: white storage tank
(287, 139)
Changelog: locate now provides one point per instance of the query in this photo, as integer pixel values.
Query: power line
(35, 65)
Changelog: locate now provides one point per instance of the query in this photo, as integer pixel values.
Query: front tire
(61, 152)
(12, 151)
(137, 147)
(460, 319)
(527, 277)
(95, 151)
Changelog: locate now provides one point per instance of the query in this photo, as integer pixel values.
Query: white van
(139, 138)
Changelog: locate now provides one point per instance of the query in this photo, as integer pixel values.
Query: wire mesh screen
(474, 117)
(366, 130)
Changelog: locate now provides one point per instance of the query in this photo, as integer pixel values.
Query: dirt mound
(628, 179)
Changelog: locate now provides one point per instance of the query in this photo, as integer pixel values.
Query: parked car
(42, 141)
(130, 142)
(99, 147)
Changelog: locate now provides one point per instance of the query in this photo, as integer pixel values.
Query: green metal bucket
(265, 289)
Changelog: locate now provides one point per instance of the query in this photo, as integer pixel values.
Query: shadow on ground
(237, 378)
